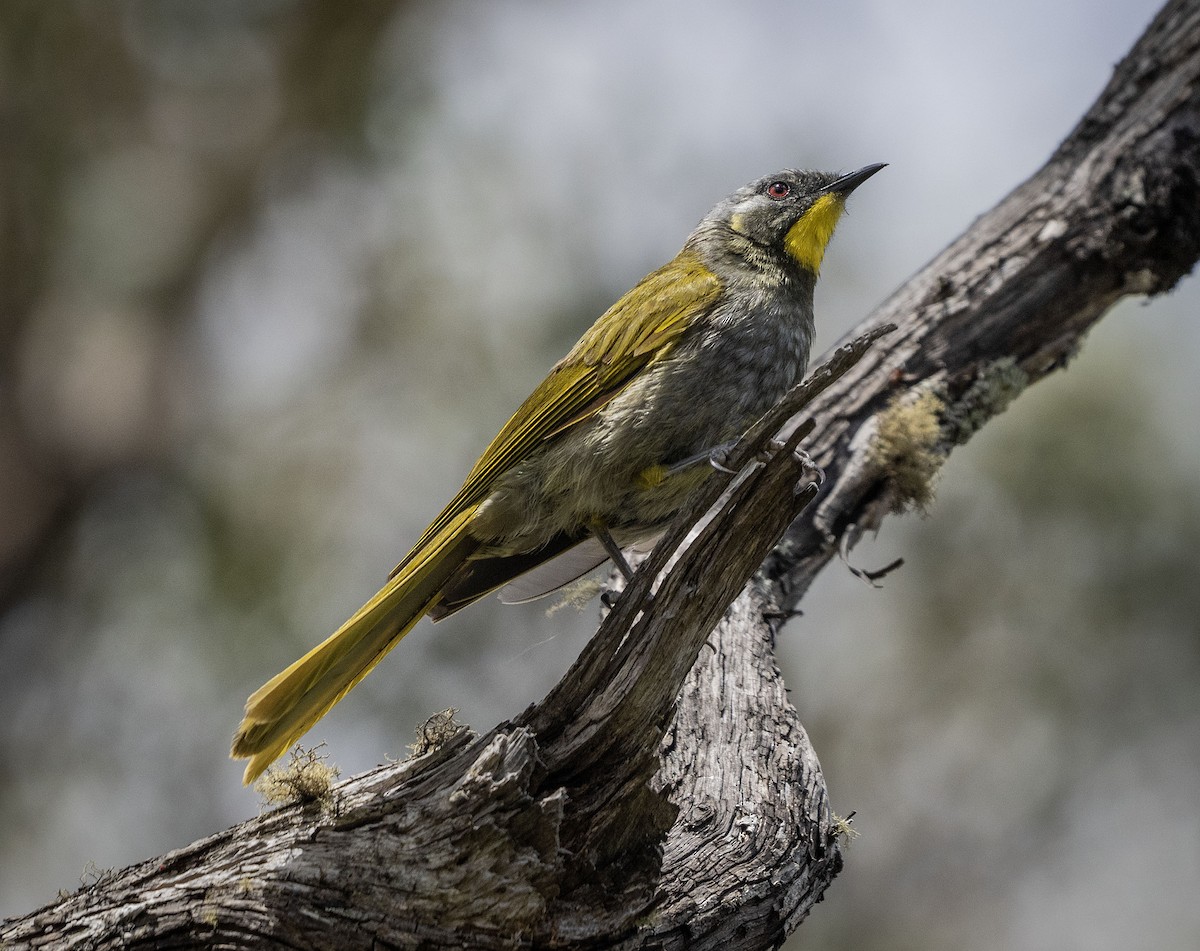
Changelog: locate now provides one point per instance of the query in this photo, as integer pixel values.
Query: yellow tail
(286, 706)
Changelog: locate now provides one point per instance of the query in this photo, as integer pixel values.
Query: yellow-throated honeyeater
(609, 445)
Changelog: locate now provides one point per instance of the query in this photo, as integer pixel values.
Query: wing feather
(638, 329)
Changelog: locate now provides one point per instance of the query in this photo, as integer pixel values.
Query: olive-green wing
(638, 329)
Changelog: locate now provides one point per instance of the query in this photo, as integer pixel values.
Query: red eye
(779, 190)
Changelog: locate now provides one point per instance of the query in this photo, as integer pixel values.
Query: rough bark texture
(665, 794)
(1114, 212)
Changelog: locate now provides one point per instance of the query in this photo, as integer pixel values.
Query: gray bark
(665, 794)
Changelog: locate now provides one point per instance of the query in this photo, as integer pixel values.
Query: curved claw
(717, 458)
(807, 461)
(802, 457)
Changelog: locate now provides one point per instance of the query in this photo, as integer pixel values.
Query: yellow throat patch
(808, 238)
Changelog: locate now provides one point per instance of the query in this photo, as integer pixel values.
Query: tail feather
(287, 706)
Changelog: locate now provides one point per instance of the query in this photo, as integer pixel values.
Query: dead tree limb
(664, 794)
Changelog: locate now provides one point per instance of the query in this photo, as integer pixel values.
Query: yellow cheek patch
(808, 238)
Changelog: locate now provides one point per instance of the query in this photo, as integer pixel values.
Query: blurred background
(273, 272)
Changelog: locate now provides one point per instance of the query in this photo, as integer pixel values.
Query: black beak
(847, 183)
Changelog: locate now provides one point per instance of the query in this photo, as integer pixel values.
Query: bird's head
(786, 217)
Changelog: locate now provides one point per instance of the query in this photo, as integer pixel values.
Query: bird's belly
(604, 468)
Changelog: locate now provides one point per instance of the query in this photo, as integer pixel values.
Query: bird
(608, 447)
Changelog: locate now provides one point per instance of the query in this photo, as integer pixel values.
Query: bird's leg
(602, 534)
(600, 530)
(715, 457)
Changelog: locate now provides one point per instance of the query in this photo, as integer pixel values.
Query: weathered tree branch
(1114, 212)
(664, 794)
